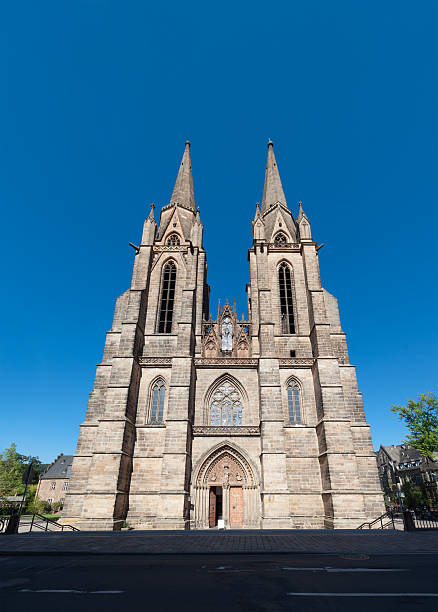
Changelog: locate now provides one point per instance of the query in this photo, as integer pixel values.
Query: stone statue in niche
(227, 334)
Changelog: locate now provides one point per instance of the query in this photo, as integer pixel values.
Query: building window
(53, 485)
(62, 500)
(280, 240)
(294, 402)
(157, 402)
(65, 487)
(167, 298)
(226, 406)
(286, 304)
(173, 240)
(50, 500)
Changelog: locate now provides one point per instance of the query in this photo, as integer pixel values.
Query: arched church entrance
(226, 491)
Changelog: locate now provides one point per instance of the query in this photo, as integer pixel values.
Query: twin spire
(273, 189)
(183, 192)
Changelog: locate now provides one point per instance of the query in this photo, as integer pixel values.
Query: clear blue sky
(97, 99)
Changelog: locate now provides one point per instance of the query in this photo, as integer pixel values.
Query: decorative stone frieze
(296, 362)
(287, 246)
(207, 430)
(153, 362)
(226, 362)
(173, 248)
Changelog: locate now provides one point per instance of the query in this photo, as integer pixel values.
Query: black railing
(36, 522)
(385, 521)
(42, 522)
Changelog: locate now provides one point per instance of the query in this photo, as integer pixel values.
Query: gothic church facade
(195, 422)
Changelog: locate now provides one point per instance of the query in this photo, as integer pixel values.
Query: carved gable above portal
(226, 336)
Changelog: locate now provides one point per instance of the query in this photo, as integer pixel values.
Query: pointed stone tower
(133, 456)
(197, 423)
(317, 459)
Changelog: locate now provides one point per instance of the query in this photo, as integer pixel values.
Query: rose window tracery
(280, 240)
(173, 240)
(226, 406)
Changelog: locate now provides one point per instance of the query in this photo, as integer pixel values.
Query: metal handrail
(379, 518)
(33, 523)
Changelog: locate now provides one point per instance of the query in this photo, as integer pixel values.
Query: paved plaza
(232, 541)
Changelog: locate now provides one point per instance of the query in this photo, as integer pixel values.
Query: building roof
(60, 468)
(399, 453)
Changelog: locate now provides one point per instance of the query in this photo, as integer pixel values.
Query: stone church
(197, 422)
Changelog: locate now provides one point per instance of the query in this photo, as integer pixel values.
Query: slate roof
(60, 468)
(401, 454)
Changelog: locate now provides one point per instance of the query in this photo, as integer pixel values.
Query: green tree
(414, 495)
(421, 419)
(12, 467)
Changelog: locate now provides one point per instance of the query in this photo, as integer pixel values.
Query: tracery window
(173, 240)
(226, 406)
(294, 402)
(286, 300)
(280, 240)
(157, 402)
(167, 298)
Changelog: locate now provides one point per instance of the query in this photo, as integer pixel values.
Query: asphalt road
(229, 583)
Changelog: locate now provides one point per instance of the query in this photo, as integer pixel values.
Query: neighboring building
(192, 421)
(398, 464)
(53, 483)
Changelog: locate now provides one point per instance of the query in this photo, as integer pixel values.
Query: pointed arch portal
(226, 489)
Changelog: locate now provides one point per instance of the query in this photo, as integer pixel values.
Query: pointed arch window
(294, 402)
(286, 300)
(280, 240)
(173, 240)
(226, 406)
(157, 401)
(167, 298)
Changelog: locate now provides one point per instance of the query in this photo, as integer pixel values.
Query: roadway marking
(342, 569)
(363, 569)
(68, 591)
(363, 594)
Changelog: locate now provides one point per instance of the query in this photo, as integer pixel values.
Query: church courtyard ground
(204, 542)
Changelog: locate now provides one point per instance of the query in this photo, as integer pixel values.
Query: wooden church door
(212, 510)
(236, 506)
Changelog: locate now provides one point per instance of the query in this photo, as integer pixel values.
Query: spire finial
(151, 216)
(183, 192)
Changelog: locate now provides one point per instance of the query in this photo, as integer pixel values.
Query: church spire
(273, 189)
(183, 191)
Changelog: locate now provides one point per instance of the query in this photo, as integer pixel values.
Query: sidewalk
(235, 541)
